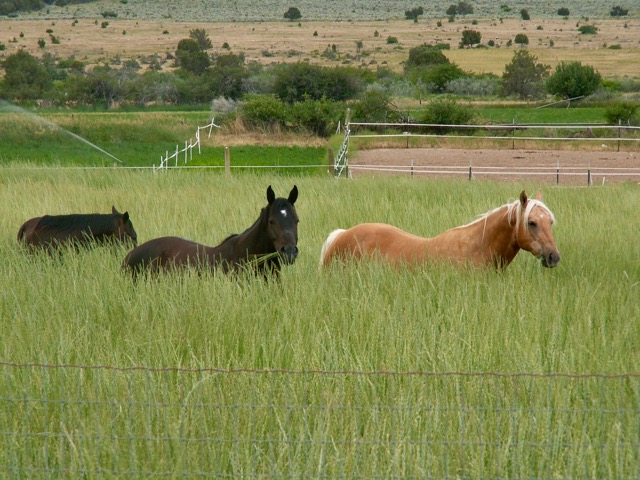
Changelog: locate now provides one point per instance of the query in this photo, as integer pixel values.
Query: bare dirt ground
(540, 166)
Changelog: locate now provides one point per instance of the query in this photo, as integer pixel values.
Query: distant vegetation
(355, 10)
(8, 7)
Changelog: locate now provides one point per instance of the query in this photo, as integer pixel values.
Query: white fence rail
(615, 136)
(185, 153)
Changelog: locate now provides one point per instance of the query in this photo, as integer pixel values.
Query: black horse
(270, 241)
(53, 231)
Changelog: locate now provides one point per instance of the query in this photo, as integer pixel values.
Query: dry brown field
(551, 40)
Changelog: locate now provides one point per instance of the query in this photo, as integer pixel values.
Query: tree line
(277, 94)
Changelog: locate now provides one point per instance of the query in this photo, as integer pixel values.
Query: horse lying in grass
(53, 231)
(493, 239)
(270, 241)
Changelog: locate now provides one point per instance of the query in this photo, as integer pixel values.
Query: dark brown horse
(52, 231)
(270, 241)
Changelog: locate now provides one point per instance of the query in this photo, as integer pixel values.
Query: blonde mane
(514, 209)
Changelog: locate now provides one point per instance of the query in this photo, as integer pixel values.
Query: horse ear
(271, 196)
(293, 195)
(125, 216)
(113, 210)
(539, 195)
(523, 198)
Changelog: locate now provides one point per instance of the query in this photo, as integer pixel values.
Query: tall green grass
(136, 139)
(145, 418)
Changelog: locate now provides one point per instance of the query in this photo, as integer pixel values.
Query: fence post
(412, 168)
(589, 174)
(470, 172)
(619, 131)
(558, 172)
(513, 135)
(227, 160)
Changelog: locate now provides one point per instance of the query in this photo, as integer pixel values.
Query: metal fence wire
(93, 421)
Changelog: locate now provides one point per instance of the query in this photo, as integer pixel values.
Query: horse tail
(327, 243)
(21, 232)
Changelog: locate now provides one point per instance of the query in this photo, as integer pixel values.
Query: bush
(392, 40)
(587, 29)
(618, 11)
(375, 107)
(523, 77)
(263, 112)
(446, 112)
(621, 112)
(425, 55)
(573, 80)
(563, 12)
(319, 117)
(297, 82)
(485, 86)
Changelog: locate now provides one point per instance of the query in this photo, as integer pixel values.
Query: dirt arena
(541, 166)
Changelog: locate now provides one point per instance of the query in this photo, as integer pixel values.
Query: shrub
(375, 106)
(621, 112)
(618, 11)
(301, 81)
(521, 39)
(470, 38)
(524, 14)
(523, 77)
(292, 14)
(391, 40)
(446, 112)
(563, 12)
(425, 55)
(484, 86)
(587, 29)
(264, 112)
(572, 80)
(319, 117)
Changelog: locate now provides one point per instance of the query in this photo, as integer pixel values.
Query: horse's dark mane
(278, 203)
(97, 222)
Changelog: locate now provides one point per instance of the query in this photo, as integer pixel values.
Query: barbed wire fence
(72, 421)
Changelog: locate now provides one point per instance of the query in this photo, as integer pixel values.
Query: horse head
(282, 224)
(534, 230)
(124, 227)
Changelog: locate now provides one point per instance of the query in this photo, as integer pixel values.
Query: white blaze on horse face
(284, 213)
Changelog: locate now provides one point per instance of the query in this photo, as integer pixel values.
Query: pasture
(358, 371)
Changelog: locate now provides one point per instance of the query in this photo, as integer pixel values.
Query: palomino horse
(494, 239)
(52, 231)
(272, 239)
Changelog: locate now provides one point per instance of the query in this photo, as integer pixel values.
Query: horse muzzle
(550, 260)
(288, 254)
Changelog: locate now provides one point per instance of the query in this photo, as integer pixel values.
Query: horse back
(368, 239)
(165, 253)
(80, 228)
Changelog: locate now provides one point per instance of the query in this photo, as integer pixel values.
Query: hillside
(335, 10)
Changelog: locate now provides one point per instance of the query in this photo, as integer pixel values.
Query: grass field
(159, 409)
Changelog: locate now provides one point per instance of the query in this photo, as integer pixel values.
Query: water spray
(10, 107)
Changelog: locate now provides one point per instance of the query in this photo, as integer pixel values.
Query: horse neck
(490, 239)
(253, 241)
(497, 232)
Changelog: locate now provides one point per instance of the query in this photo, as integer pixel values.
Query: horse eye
(532, 224)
